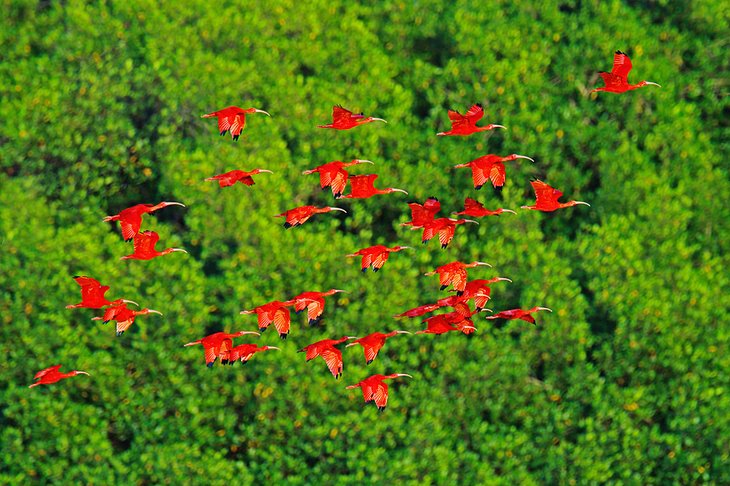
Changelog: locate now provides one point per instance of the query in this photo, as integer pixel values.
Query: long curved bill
(471, 221)
(274, 347)
(152, 311)
(404, 374)
(179, 249)
(508, 211)
(499, 126)
(174, 203)
(398, 190)
(82, 373)
(581, 202)
(544, 308)
(265, 170)
(483, 264)
(524, 157)
(261, 111)
(126, 301)
(337, 209)
(653, 84)
(378, 119)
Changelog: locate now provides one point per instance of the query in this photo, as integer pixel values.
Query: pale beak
(152, 311)
(262, 111)
(499, 126)
(351, 337)
(486, 310)
(179, 249)
(398, 190)
(337, 209)
(82, 373)
(274, 347)
(174, 203)
(508, 211)
(246, 312)
(461, 166)
(544, 308)
(406, 247)
(338, 290)
(524, 207)
(483, 264)
(470, 221)
(403, 374)
(653, 84)
(363, 161)
(250, 332)
(402, 332)
(378, 119)
(503, 279)
(96, 318)
(265, 170)
(581, 202)
(524, 157)
(130, 302)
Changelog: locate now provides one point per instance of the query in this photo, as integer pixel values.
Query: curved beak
(508, 211)
(398, 190)
(351, 337)
(250, 332)
(581, 202)
(174, 203)
(246, 312)
(96, 318)
(403, 332)
(524, 207)
(544, 308)
(406, 247)
(179, 249)
(338, 290)
(403, 374)
(499, 126)
(484, 309)
(483, 264)
(503, 279)
(130, 302)
(152, 311)
(378, 119)
(274, 347)
(653, 84)
(265, 170)
(336, 209)
(470, 221)
(363, 161)
(524, 157)
(82, 373)
(461, 166)
(261, 111)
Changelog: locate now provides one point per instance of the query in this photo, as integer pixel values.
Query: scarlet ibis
(519, 314)
(52, 374)
(490, 167)
(232, 118)
(343, 119)
(480, 291)
(372, 343)
(144, 247)
(314, 303)
(546, 198)
(123, 316)
(467, 124)
(376, 256)
(334, 175)
(454, 273)
(362, 187)
(444, 227)
(231, 177)
(244, 352)
(326, 349)
(375, 390)
(92, 294)
(444, 323)
(218, 344)
(617, 81)
(276, 312)
(421, 214)
(300, 215)
(475, 209)
(130, 219)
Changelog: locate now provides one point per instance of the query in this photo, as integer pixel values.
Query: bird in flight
(123, 316)
(444, 228)
(343, 119)
(372, 343)
(475, 209)
(232, 119)
(218, 344)
(144, 247)
(454, 273)
(130, 219)
(300, 215)
(443, 323)
(490, 167)
(546, 198)
(525, 315)
(480, 291)
(231, 177)
(334, 175)
(314, 303)
(422, 214)
(52, 375)
(617, 81)
(376, 256)
(363, 187)
(327, 350)
(275, 312)
(467, 124)
(244, 352)
(92, 295)
(375, 390)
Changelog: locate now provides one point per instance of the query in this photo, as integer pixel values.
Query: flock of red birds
(219, 346)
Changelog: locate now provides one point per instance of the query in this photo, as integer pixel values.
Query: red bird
(546, 198)
(233, 176)
(326, 349)
(232, 118)
(218, 344)
(617, 81)
(334, 175)
(144, 247)
(444, 227)
(467, 124)
(454, 273)
(422, 214)
(244, 352)
(130, 219)
(92, 294)
(276, 312)
(314, 303)
(362, 187)
(52, 375)
(518, 314)
(490, 167)
(475, 209)
(480, 291)
(443, 323)
(123, 316)
(343, 119)
(372, 343)
(460, 304)
(375, 390)
(376, 256)
(300, 215)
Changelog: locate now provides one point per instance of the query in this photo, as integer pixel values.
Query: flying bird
(314, 303)
(546, 198)
(123, 316)
(444, 228)
(232, 119)
(480, 291)
(231, 177)
(372, 343)
(454, 273)
(376, 256)
(326, 349)
(475, 209)
(334, 175)
(52, 375)
(92, 295)
(375, 390)
(443, 323)
(244, 352)
(218, 345)
(467, 124)
(362, 187)
(300, 215)
(490, 167)
(422, 214)
(275, 312)
(144, 247)
(130, 219)
(617, 81)
(525, 315)
(343, 119)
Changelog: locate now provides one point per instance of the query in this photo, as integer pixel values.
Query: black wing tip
(283, 336)
(480, 106)
(210, 365)
(621, 52)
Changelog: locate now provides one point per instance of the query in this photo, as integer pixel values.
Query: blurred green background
(626, 382)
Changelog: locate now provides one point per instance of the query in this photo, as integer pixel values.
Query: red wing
(367, 260)
(311, 352)
(339, 182)
(145, 242)
(480, 301)
(380, 260)
(475, 113)
(462, 308)
(333, 358)
(611, 80)
(362, 183)
(419, 311)
(497, 174)
(248, 180)
(224, 350)
(300, 304)
(210, 355)
(458, 279)
(87, 282)
(130, 226)
(224, 123)
(314, 310)
(239, 122)
(479, 176)
(282, 319)
(380, 394)
(544, 192)
(265, 319)
(341, 115)
(528, 318)
(50, 369)
(446, 234)
(472, 205)
(367, 390)
(124, 325)
(428, 233)
(621, 65)
(111, 313)
(371, 352)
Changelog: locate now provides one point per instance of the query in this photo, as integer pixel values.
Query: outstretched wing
(130, 226)
(446, 234)
(282, 320)
(497, 174)
(380, 395)
(341, 115)
(237, 125)
(50, 369)
(333, 358)
(621, 65)
(362, 183)
(145, 242)
(545, 193)
(380, 260)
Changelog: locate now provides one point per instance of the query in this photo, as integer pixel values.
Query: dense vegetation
(626, 382)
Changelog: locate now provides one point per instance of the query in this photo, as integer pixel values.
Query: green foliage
(625, 382)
